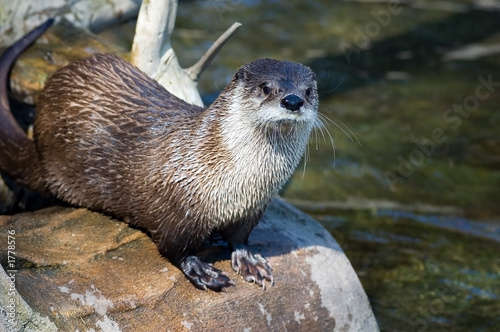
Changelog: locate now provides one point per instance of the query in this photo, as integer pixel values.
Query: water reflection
(488, 230)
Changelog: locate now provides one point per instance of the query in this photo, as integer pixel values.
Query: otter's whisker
(325, 82)
(320, 124)
(335, 88)
(306, 157)
(315, 129)
(324, 117)
(353, 134)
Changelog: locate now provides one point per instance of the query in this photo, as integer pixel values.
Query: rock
(15, 313)
(85, 271)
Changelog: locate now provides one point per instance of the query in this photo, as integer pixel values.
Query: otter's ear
(241, 74)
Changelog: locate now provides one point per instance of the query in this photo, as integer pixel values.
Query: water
(421, 277)
(418, 84)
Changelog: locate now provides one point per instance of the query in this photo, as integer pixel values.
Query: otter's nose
(292, 102)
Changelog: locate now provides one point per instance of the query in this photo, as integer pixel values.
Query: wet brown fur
(119, 152)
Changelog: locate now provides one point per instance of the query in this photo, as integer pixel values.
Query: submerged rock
(83, 270)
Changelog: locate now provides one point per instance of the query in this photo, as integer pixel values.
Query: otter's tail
(18, 157)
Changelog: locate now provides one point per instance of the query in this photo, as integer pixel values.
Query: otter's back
(97, 119)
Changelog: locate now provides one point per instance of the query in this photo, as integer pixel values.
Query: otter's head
(278, 93)
(268, 111)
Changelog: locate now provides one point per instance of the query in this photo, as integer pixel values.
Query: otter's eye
(308, 92)
(266, 90)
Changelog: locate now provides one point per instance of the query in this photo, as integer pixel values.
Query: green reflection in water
(420, 277)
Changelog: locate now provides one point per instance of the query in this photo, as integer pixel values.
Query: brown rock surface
(85, 271)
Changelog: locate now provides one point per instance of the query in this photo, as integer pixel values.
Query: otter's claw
(204, 275)
(253, 268)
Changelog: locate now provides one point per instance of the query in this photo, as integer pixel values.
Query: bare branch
(155, 24)
(195, 71)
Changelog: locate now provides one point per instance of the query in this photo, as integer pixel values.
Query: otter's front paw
(204, 275)
(253, 268)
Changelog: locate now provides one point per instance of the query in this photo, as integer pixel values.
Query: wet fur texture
(111, 139)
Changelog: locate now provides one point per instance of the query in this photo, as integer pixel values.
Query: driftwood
(152, 51)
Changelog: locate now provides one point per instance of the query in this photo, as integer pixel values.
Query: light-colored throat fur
(260, 156)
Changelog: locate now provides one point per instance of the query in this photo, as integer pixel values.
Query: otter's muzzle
(292, 102)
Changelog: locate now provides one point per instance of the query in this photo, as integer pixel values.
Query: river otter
(109, 138)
